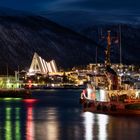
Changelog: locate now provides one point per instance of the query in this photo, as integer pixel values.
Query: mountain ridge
(21, 36)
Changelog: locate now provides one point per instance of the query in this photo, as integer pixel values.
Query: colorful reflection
(8, 124)
(30, 101)
(48, 127)
(88, 123)
(13, 129)
(12, 124)
(17, 124)
(30, 128)
(11, 99)
(29, 124)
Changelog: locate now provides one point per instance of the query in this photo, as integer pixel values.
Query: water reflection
(52, 125)
(30, 127)
(58, 117)
(124, 127)
(17, 124)
(95, 126)
(12, 124)
(47, 123)
(41, 121)
(12, 120)
(8, 124)
(29, 124)
(102, 123)
(88, 124)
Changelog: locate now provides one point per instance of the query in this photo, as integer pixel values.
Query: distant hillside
(22, 35)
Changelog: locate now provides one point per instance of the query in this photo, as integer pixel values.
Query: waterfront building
(9, 82)
(41, 66)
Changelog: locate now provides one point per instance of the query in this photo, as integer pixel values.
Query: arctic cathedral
(41, 66)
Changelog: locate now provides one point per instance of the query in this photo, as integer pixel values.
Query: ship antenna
(107, 52)
(120, 44)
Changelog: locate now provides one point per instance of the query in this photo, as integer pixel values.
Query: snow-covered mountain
(21, 36)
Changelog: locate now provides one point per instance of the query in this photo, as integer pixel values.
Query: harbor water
(57, 115)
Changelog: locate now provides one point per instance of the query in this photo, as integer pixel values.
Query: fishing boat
(113, 104)
(113, 98)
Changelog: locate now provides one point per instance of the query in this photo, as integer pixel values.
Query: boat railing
(123, 95)
(132, 100)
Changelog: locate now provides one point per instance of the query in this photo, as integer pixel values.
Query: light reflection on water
(91, 121)
(47, 125)
(29, 124)
(8, 124)
(12, 128)
(88, 124)
(102, 123)
(52, 125)
(58, 117)
(17, 124)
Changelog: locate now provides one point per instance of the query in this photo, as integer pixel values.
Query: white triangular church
(39, 65)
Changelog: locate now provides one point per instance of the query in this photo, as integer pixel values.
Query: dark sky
(60, 5)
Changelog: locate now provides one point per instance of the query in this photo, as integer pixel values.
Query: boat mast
(120, 45)
(96, 55)
(107, 52)
(7, 73)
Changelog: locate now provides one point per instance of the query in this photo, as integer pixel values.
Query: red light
(30, 84)
(29, 81)
(30, 101)
(30, 124)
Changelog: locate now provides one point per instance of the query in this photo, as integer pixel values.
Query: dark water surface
(57, 115)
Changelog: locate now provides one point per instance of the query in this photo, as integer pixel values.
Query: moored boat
(115, 97)
(114, 105)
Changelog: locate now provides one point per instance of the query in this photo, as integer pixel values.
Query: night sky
(62, 5)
